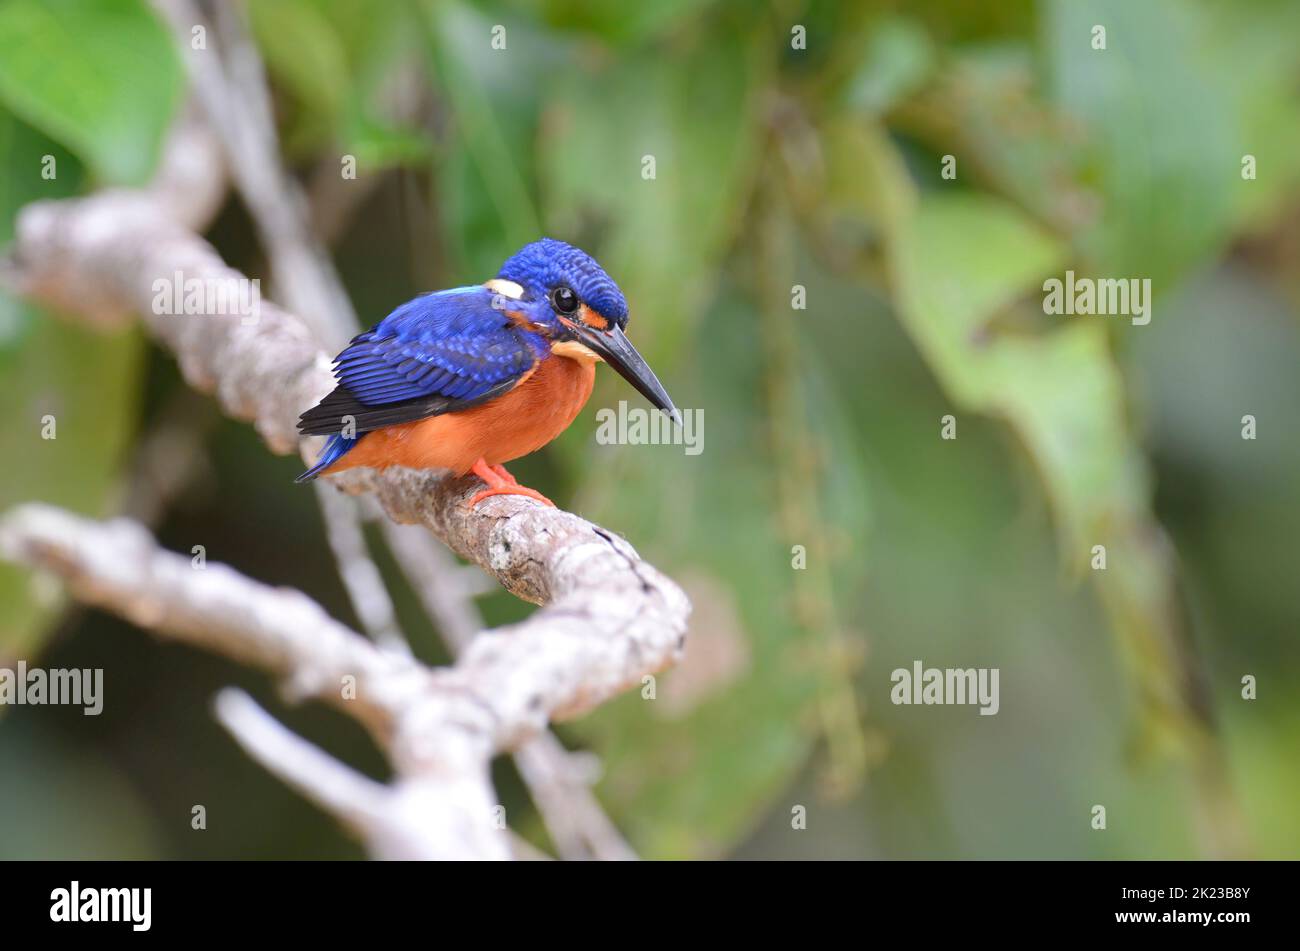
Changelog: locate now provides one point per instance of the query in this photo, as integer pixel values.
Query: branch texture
(608, 617)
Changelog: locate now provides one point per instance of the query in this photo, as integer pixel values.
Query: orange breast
(522, 421)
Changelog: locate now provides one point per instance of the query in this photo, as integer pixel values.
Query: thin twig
(229, 81)
(358, 571)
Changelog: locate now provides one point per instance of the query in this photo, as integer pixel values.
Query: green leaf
(690, 772)
(87, 384)
(1257, 59)
(378, 145)
(622, 23)
(1164, 142)
(100, 76)
(487, 181)
(898, 56)
(86, 381)
(960, 262)
(696, 117)
(340, 66)
(306, 57)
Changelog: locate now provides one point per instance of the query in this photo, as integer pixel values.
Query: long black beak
(614, 347)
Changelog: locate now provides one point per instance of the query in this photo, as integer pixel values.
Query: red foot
(501, 482)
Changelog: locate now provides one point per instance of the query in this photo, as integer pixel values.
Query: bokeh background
(775, 167)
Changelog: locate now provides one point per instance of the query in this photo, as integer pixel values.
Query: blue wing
(434, 354)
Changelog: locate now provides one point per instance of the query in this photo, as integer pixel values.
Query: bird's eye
(564, 300)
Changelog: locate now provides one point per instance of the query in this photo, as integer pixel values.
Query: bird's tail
(335, 448)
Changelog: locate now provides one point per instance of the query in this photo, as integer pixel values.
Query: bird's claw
(501, 482)
(511, 490)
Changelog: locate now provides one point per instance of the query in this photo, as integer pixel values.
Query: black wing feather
(435, 354)
(331, 414)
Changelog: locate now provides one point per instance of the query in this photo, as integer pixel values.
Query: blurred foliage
(100, 76)
(87, 381)
(777, 166)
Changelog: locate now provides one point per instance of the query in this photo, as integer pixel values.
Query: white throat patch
(505, 288)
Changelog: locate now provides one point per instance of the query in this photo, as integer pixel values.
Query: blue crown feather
(546, 263)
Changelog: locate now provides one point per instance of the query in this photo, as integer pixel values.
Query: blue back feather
(452, 343)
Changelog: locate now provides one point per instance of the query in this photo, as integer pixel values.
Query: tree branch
(230, 81)
(112, 247)
(440, 727)
(609, 619)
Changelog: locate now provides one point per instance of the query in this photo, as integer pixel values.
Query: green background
(775, 167)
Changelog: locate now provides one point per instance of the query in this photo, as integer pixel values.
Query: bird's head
(568, 298)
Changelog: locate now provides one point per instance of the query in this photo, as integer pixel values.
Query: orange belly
(522, 421)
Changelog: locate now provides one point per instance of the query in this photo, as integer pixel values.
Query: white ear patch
(575, 351)
(505, 288)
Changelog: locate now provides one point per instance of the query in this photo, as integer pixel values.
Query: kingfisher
(471, 378)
